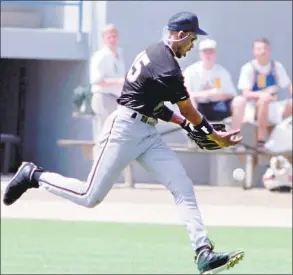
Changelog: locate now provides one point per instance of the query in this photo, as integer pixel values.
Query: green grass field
(34, 246)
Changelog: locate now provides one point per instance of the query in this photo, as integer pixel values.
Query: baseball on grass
(239, 174)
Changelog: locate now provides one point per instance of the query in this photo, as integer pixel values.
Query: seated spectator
(211, 88)
(259, 81)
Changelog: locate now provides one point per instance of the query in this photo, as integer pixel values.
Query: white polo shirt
(246, 78)
(104, 64)
(197, 79)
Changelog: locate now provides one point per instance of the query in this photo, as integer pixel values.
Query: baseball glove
(200, 138)
(221, 127)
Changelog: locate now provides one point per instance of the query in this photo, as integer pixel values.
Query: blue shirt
(270, 78)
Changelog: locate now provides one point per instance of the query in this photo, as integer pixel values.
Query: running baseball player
(130, 134)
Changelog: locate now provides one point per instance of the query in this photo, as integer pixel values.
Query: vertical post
(128, 176)
(248, 183)
(80, 20)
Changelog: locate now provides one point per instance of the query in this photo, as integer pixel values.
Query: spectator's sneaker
(209, 262)
(22, 181)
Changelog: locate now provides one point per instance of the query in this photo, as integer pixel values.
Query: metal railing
(77, 3)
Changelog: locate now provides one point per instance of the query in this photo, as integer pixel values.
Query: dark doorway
(13, 90)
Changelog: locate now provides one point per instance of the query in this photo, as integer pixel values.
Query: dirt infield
(154, 204)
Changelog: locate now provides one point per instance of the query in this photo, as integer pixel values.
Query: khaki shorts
(276, 111)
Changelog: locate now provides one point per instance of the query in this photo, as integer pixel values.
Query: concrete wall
(234, 24)
(35, 31)
(42, 44)
(49, 98)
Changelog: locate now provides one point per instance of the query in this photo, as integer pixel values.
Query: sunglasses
(193, 37)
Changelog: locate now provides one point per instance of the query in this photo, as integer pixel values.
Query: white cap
(207, 44)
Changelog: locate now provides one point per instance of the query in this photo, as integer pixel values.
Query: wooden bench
(249, 156)
(87, 148)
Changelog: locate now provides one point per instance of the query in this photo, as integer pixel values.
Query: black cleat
(209, 262)
(21, 182)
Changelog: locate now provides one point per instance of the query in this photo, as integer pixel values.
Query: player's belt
(146, 119)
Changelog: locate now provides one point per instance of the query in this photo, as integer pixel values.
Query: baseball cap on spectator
(207, 44)
(185, 21)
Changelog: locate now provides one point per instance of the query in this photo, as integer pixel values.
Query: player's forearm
(165, 114)
(177, 119)
(192, 115)
(109, 82)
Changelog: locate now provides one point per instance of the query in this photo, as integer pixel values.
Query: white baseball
(239, 174)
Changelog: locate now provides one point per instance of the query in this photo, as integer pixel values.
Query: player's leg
(100, 114)
(103, 105)
(116, 150)
(262, 116)
(237, 109)
(164, 165)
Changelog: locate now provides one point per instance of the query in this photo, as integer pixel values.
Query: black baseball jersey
(154, 77)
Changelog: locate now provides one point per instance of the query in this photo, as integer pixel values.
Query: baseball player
(130, 134)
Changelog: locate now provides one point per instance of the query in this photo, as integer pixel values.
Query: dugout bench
(249, 156)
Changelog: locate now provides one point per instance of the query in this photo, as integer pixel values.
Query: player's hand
(226, 139)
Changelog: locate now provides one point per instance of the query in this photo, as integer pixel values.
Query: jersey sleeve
(246, 77)
(174, 83)
(228, 85)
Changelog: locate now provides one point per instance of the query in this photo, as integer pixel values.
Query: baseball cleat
(21, 182)
(209, 262)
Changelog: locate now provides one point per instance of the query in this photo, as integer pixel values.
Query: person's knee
(264, 101)
(239, 101)
(92, 202)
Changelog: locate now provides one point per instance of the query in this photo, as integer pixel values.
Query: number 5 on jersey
(141, 60)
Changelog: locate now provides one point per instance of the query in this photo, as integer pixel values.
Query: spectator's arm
(97, 73)
(211, 94)
(108, 82)
(283, 78)
(191, 82)
(245, 82)
(226, 91)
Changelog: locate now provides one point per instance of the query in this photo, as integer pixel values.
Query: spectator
(259, 81)
(211, 88)
(107, 72)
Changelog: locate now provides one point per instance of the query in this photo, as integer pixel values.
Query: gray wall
(42, 44)
(49, 100)
(49, 116)
(233, 24)
(35, 31)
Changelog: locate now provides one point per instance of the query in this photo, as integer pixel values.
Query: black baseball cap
(185, 21)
